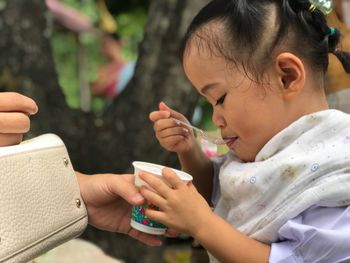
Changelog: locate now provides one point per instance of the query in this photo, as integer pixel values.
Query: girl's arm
(176, 138)
(228, 244)
(182, 208)
(197, 164)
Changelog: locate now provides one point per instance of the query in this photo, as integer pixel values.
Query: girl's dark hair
(253, 29)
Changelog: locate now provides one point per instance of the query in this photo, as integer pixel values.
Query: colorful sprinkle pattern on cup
(138, 215)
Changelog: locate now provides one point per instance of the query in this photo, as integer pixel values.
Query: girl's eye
(221, 100)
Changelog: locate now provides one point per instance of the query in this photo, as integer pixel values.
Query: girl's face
(248, 114)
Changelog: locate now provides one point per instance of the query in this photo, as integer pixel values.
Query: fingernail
(36, 109)
(137, 198)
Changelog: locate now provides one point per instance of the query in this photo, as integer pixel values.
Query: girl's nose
(218, 119)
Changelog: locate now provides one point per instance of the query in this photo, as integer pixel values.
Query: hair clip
(312, 8)
(331, 31)
(325, 6)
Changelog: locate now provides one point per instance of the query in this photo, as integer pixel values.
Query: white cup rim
(156, 169)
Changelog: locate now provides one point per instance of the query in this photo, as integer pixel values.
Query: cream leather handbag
(40, 202)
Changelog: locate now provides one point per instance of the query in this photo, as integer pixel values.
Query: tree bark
(26, 66)
(107, 143)
(159, 76)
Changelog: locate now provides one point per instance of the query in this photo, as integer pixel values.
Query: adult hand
(14, 117)
(109, 199)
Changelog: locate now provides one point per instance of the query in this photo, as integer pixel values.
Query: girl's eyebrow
(207, 87)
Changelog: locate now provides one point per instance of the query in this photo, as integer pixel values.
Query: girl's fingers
(172, 142)
(14, 122)
(10, 139)
(155, 215)
(174, 114)
(157, 184)
(158, 115)
(152, 197)
(163, 124)
(12, 101)
(165, 112)
(171, 177)
(176, 131)
(165, 127)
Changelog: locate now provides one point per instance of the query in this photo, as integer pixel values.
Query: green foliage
(205, 122)
(64, 52)
(130, 27)
(86, 7)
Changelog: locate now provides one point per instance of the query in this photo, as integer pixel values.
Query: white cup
(138, 219)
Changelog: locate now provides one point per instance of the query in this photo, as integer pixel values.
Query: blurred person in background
(115, 74)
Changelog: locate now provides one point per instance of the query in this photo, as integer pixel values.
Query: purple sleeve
(319, 234)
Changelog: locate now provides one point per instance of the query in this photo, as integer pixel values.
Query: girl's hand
(14, 117)
(181, 207)
(170, 135)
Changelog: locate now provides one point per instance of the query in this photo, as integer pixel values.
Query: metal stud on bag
(78, 202)
(59, 191)
(65, 161)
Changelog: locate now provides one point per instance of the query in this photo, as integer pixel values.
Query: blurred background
(97, 68)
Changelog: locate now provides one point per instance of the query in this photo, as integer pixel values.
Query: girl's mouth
(230, 141)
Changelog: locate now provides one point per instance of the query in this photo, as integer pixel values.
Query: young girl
(281, 194)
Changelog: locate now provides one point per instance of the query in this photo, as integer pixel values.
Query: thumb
(164, 107)
(126, 190)
(173, 113)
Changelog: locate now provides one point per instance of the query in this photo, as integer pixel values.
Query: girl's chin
(244, 156)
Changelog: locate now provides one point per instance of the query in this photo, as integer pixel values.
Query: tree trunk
(107, 143)
(158, 76)
(26, 66)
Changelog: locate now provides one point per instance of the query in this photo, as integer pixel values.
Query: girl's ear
(291, 74)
